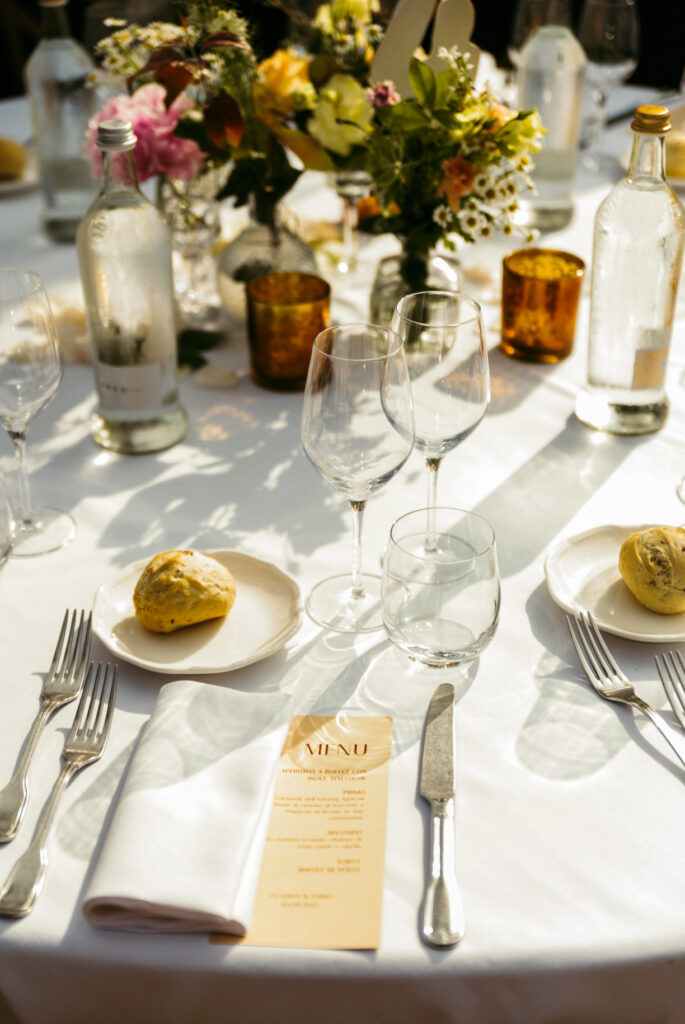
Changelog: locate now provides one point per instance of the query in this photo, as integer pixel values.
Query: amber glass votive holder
(285, 312)
(540, 295)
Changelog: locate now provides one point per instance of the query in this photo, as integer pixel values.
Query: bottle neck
(54, 22)
(647, 157)
(118, 173)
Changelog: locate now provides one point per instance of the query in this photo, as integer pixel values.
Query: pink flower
(158, 150)
(384, 94)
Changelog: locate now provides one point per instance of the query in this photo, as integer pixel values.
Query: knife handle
(443, 913)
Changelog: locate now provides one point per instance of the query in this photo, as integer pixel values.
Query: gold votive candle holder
(285, 312)
(540, 296)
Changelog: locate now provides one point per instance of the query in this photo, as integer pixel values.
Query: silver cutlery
(607, 678)
(671, 669)
(62, 684)
(83, 745)
(443, 914)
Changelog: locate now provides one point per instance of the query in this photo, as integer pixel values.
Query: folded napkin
(184, 848)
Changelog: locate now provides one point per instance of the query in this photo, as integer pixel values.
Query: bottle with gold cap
(62, 98)
(636, 259)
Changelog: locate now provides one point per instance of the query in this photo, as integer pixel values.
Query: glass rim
(35, 282)
(392, 335)
(464, 513)
(534, 250)
(477, 311)
(320, 289)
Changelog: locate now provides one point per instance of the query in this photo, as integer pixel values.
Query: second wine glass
(357, 431)
(30, 373)
(609, 33)
(444, 344)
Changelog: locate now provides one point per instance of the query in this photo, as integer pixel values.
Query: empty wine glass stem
(18, 438)
(357, 520)
(349, 235)
(433, 467)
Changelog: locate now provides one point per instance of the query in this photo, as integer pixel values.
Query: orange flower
(459, 174)
(280, 75)
(368, 206)
(500, 113)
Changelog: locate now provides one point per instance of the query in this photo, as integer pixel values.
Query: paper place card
(321, 881)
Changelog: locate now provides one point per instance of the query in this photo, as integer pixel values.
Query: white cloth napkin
(183, 851)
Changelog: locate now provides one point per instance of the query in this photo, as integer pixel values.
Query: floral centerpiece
(447, 162)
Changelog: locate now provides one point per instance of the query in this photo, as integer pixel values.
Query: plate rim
(607, 627)
(264, 651)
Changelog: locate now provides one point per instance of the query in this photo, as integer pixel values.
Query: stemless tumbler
(441, 599)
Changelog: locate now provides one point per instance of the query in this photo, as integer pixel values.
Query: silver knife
(443, 913)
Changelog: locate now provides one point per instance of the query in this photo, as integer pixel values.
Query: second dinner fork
(83, 745)
(62, 684)
(671, 669)
(608, 680)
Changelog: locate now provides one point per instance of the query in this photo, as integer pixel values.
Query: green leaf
(422, 81)
(443, 85)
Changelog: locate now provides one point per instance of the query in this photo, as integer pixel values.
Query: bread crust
(180, 588)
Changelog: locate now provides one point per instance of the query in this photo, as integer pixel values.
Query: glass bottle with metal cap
(62, 98)
(124, 252)
(637, 254)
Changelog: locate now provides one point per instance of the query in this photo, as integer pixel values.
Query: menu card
(321, 880)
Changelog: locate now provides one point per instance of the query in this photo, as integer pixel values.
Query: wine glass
(444, 344)
(350, 186)
(30, 373)
(608, 32)
(357, 431)
(441, 603)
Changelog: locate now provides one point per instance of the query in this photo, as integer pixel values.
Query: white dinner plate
(265, 615)
(582, 575)
(26, 183)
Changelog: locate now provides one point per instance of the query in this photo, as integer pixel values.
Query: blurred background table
(569, 813)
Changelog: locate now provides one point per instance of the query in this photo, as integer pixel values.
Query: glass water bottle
(124, 253)
(551, 79)
(636, 260)
(62, 98)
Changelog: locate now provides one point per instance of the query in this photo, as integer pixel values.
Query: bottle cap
(652, 120)
(115, 135)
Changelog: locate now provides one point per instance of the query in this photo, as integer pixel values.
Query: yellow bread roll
(652, 563)
(180, 588)
(675, 154)
(13, 158)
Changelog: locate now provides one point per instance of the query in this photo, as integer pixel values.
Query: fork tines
(95, 708)
(671, 669)
(594, 655)
(76, 651)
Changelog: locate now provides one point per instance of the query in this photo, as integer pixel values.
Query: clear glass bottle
(62, 98)
(551, 79)
(637, 255)
(124, 253)
(265, 246)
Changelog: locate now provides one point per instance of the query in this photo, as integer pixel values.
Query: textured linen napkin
(184, 848)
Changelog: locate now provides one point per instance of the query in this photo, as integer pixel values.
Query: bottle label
(129, 388)
(649, 368)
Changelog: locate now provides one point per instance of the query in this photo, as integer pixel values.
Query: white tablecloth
(570, 823)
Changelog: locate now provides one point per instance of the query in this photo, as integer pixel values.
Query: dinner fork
(671, 669)
(62, 684)
(607, 678)
(83, 745)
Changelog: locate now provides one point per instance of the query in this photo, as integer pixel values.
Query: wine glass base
(334, 604)
(680, 490)
(46, 530)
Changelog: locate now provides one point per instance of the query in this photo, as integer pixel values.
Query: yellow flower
(343, 115)
(281, 75)
(360, 10)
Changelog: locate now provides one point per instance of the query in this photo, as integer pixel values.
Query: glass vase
(193, 214)
(407, 272)
(265, 246)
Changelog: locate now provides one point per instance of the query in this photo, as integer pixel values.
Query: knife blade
(443, 913)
